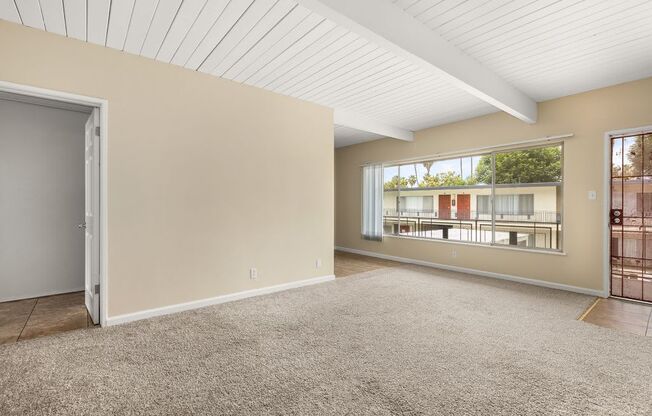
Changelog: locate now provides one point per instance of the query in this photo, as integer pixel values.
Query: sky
(467, 165)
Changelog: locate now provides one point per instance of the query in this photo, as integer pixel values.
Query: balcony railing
(535, 216)
(538, 229)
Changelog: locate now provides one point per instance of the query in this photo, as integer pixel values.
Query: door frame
(103, 105)
(606, 200)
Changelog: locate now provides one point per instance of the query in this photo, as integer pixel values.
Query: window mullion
(493, 198)
(398, 201)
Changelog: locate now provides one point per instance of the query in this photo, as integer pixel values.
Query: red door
(463, 207)
(444, 206)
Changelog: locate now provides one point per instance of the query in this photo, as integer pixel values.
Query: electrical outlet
(593, 195)
(318, 263)
(454, 253)
(253, 273)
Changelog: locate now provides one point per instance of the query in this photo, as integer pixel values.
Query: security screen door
(631, 216)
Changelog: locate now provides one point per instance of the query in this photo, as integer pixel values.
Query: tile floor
(347, 264)
(633, 317)
(31, 318)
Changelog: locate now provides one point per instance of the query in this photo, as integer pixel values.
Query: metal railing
(453, 214)
(539, 229)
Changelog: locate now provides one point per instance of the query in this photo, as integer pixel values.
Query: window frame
(491, 151)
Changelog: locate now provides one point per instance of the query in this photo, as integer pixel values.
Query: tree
(638, 157)
(393, 183)
(522, 166)
(449, 178)
(408, 182)
(428, 166)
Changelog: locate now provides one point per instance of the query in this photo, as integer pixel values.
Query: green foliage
(522, 166)
(483, 170)
(638, 158)
(408, 182)
(449, 178)
(393, 183)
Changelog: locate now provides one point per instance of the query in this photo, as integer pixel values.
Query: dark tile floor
(31, 318)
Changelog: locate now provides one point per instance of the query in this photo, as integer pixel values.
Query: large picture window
(507, 198)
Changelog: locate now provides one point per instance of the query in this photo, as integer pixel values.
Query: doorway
(463, 206)
(444, 206)
(52, 231)
(630, 216)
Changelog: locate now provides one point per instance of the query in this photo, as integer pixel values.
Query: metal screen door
(631, 216)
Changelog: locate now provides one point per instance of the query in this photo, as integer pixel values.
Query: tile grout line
(647, 328)
(27, 320)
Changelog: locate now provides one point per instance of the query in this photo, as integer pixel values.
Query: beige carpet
(402, 341)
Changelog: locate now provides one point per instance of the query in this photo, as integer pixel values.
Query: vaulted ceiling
(388, 67)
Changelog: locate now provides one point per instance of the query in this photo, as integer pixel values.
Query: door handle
(82, 225)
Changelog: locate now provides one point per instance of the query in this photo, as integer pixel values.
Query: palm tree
(428, 165)
(416, 175)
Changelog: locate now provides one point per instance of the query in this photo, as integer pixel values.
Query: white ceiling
(547, 48)
(346, 136)
(544, 48)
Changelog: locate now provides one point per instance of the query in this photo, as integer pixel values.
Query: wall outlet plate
(253, 273)
(318, 263)
(593, 195)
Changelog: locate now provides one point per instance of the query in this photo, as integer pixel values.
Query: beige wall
(587, 115)
(207, 177)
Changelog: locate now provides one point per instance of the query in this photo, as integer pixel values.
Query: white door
(92, 224)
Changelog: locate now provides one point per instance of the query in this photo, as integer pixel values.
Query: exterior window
(515, 204)
(463, 199)
(416, 204)
(390, 200)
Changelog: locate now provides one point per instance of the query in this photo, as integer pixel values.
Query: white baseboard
(42, 294)
(519, 279)
(180, 307)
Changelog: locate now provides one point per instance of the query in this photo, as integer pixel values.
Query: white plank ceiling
(547, 48)
(544, 48)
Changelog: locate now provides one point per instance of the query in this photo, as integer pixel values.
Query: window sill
(462, 243)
